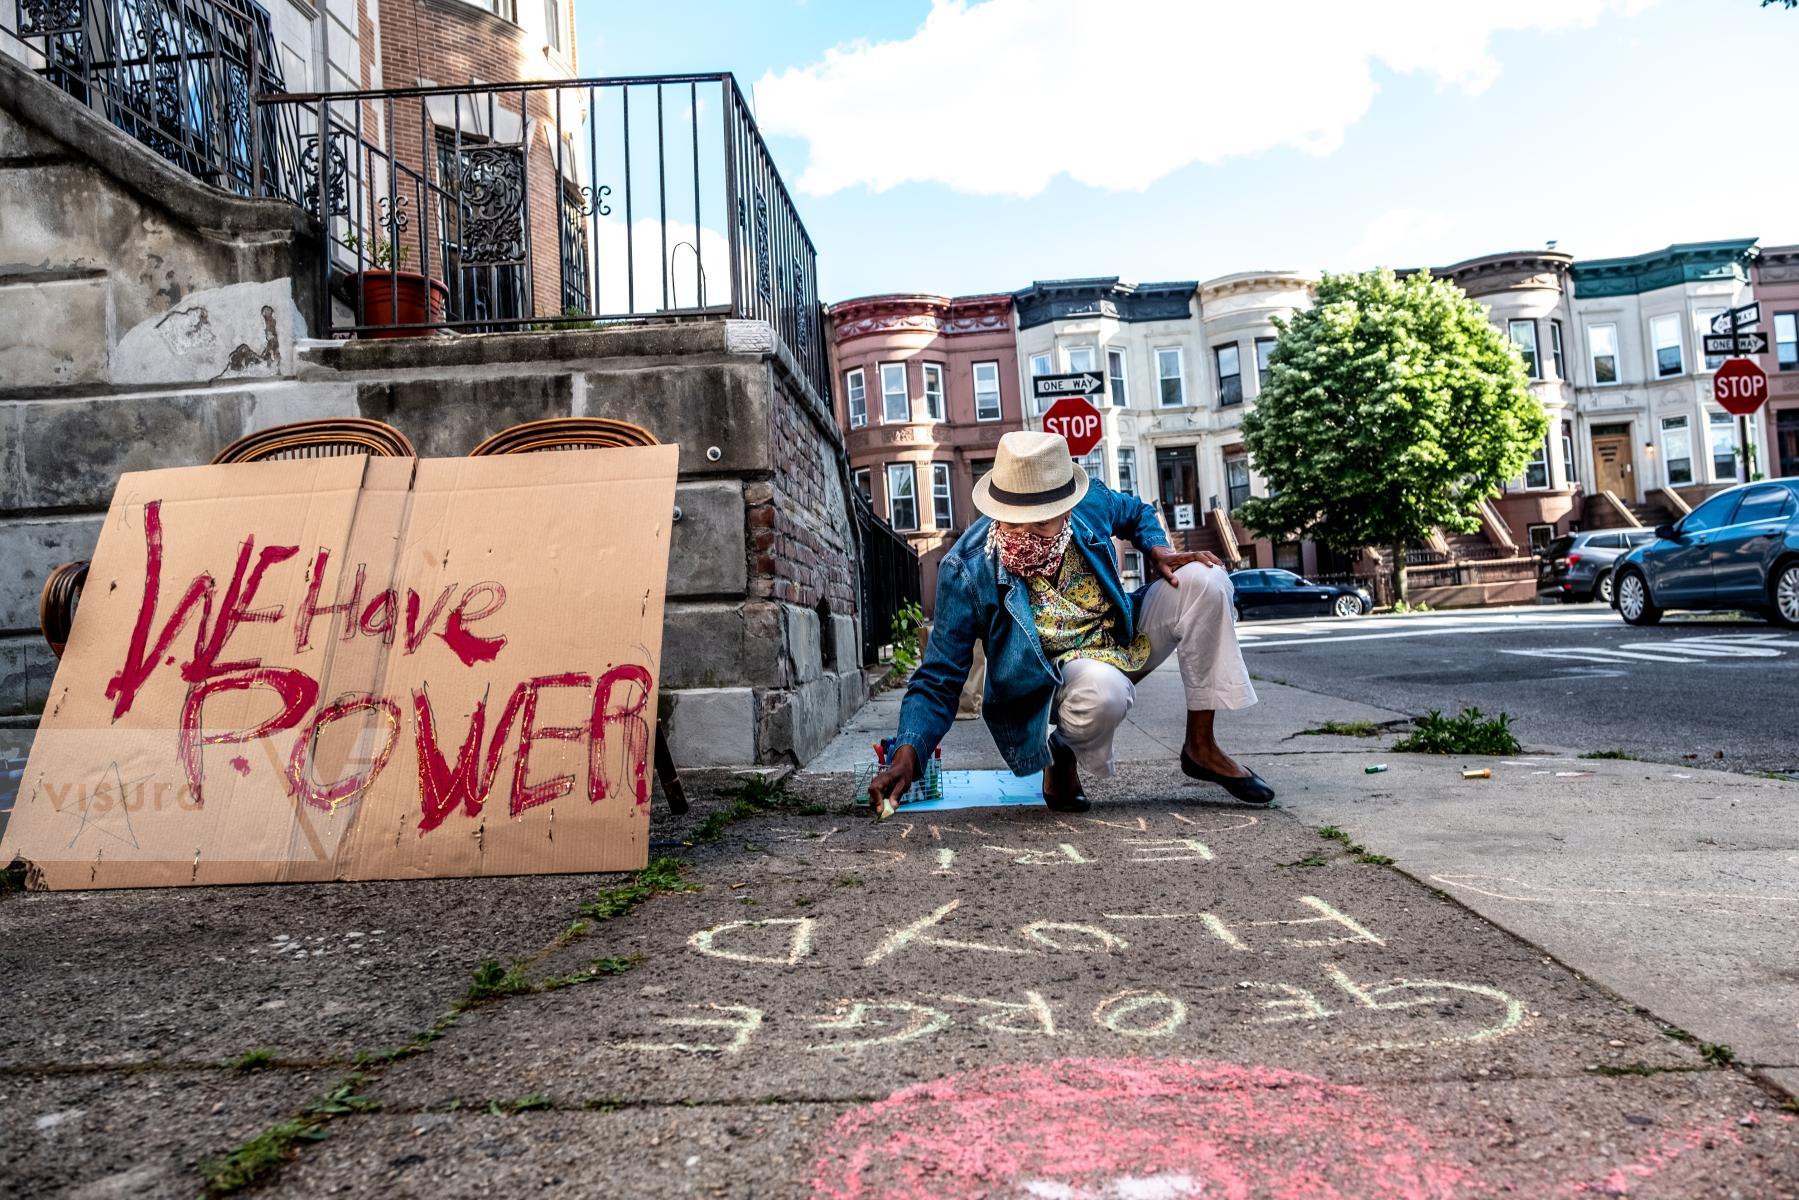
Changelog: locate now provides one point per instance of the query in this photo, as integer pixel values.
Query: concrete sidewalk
(1166, 998)
(1677, 888)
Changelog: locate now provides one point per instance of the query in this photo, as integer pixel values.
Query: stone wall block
(706, 555)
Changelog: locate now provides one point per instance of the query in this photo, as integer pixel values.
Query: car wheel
(1347, 606)
(1634, 604)
(1602, 588)
(1784, 592)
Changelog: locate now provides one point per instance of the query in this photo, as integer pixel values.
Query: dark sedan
(1738, 550)
(1284, 594)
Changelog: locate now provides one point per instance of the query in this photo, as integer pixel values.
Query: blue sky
(985, 143)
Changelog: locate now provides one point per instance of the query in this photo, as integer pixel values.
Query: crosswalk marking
(1682, 650)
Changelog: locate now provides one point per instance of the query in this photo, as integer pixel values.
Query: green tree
(1393, 406)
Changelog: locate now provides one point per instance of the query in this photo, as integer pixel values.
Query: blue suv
(1738, 550)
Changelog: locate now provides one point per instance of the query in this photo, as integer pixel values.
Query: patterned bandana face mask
(1026, 553)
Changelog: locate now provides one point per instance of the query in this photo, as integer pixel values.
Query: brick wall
(799, 538)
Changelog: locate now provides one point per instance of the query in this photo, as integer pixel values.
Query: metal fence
(180, 76)
(890, 577)
(550, 204)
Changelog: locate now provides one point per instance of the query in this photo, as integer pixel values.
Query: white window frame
(1791, 321)
(855, 396)
(1570, 466)
(1094, 462)
(1127, 469)
(937, 409)
(1656, 324)
(1556, 354)
(1218, 368)
(1091, 352)
(1593, 355)
(1040, 364)
(1249, 483)
(1262, 367)
(942, 493)
(1717, 421)
(1534, 363)
(999, 408)
(909, 476)
(1683, 425)
(1179, 377)
(905, 393)
(1541, 460)
(1118, 384)
(864, 483)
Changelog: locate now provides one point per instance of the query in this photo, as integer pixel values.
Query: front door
(1786, 440)
(1177, 484)
(1614, 463)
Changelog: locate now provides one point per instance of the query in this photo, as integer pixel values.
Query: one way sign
(1080, 383)
(1740, 343)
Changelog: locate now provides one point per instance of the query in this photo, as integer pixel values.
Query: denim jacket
(977, 598)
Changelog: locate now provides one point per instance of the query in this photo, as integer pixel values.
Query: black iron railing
(561, 203)
(889, 576)
(180, 76)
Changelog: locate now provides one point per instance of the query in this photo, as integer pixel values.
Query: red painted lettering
(141, 659)
(296, 689)
(627, 714)
(310, 607)
(299, 766)
(415, 633)
(442, 789)
(469, 647)
(529, 795)
(235, 610)
(381, 616)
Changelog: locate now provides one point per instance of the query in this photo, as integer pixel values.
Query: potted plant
(389, 296)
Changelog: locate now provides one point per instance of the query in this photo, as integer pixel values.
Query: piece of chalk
(1376, 769)
(886, 808)
(1483, 773)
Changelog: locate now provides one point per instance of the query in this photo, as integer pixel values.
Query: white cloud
(999, 97)
(1400, 237)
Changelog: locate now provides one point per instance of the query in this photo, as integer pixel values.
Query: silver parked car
(1738, 550)
(1578, 566)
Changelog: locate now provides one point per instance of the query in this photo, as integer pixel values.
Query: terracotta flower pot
(398, 298)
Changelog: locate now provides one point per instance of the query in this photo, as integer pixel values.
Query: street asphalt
(1169, 997)
(1712, 690)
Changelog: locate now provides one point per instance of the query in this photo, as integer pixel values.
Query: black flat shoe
(1061, 755)
(1250, 788)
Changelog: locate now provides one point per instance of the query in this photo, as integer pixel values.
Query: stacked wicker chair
(590, 433)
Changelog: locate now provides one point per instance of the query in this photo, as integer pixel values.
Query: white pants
(1193, 621)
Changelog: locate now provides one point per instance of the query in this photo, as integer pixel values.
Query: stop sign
(1739, 386)
(1079, 422)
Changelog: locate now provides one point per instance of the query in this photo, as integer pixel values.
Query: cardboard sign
(358, 668)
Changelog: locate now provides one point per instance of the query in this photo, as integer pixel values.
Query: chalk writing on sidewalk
(1136, 1013)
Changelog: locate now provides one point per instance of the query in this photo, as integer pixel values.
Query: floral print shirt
(1074, 621)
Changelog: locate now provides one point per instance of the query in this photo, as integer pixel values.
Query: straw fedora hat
(1033, 479)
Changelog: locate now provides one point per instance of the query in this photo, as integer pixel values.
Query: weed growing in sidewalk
(595, 969)
(1358, 729)
(1333, 833)
(1618, 755)
(253, 1060)
(1314, 859)
(1373, 860)
(259, 1158)
(1717, 1054)
(1468, 732)
(535, 1102)
(492, 980)
(662, 875)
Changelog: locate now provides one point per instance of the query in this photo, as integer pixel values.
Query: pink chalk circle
(1130, 1129)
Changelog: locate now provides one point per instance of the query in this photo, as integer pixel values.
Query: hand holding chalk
(886, 788)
